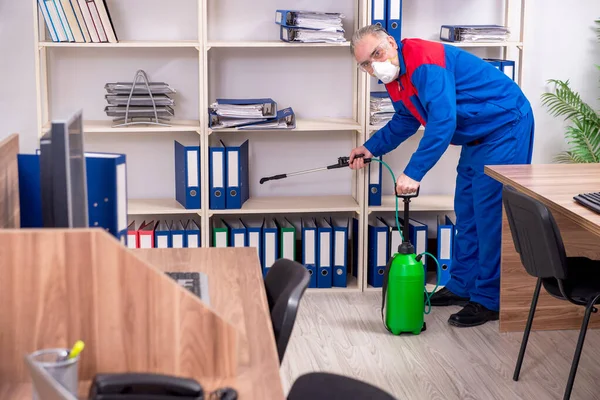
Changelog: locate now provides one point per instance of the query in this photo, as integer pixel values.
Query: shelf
(156, 206)
(294, 204)
(306, 125)
(352, 287)
(482, 44)
(272, 43)
(125, 43)
(421, 203)
(105, 126)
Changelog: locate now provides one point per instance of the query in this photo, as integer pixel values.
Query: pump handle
(408, 196)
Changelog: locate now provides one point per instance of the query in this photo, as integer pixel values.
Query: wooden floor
(343, 333)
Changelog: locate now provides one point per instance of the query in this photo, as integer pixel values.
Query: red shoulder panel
(418, 52)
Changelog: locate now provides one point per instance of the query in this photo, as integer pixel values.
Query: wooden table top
(555, 185)
(236, 290)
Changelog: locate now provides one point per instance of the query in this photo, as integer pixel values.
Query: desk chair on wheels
(539, 244)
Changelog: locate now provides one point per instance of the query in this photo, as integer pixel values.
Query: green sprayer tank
(403, 288)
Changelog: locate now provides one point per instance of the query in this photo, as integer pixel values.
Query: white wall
(313, 81)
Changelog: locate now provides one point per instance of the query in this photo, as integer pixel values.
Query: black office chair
(538, 241)
(327, 386)
(285, 284)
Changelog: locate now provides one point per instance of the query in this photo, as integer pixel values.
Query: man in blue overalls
(461, 100)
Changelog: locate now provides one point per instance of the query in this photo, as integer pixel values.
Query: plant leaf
(565, 102)
(584, 141)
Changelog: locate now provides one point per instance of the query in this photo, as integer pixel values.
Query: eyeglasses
(378, 54)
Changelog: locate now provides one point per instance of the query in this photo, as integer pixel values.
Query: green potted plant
(583, 134)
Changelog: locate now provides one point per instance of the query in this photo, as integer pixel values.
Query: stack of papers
(142, 104)
(249, 114)
(381, 108)
(474, 33)
(310, 26)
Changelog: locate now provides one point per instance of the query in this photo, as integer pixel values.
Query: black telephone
(137, 386)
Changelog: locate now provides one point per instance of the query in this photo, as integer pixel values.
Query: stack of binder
(163, 234)
(384, 239)
(474, 33)
(81, 21)
(106, 179)
(381, 108)
(229, 178)
(310, 26)
(323, 244)
(142, 105)
(388, 15)
(250, 114)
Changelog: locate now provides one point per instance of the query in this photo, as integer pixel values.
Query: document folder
(340, 255)
(304, 35)
(271, 244)
(379, 13)
(378, 236)
(255, 237)
(30, 191)
(473, 33)
(216, 121)
(178, 235)
(375, 183)
(162, 235)
(146, 234)
(394, 19)
(309, 19)
(324, 256)
(355, 251)
(287, 232)
(187, 176)
(309, 249)
(217, 172)
(237, 233)
(286, 119)
(133, 237)
(238, 178)
(246, 108)
(394, 236)
(220, 233)
(506, 66)
(192, 234)
(446, 232)
(107, 192)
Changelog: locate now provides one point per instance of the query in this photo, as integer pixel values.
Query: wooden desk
(554, 185)
(62, 285)
(237, 293)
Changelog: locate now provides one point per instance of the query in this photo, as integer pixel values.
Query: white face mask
(385, 71)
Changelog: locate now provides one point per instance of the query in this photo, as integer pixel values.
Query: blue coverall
(462, 100)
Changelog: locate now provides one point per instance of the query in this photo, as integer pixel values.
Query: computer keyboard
(195, 282)
(590, 201)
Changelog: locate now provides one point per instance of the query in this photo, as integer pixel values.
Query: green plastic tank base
(405, 311)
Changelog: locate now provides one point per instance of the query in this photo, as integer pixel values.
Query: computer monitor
(63, 174)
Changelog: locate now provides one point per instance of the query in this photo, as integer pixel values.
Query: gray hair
(376, 30)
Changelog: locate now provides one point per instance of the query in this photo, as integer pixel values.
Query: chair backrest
(535, 234)
(285, 284)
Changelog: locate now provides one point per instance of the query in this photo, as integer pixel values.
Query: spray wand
(406, 246)
(342, 162)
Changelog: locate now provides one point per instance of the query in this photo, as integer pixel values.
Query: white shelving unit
(218, 53)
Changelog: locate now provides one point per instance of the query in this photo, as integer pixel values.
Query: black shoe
(444, 297)
(473, 314)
